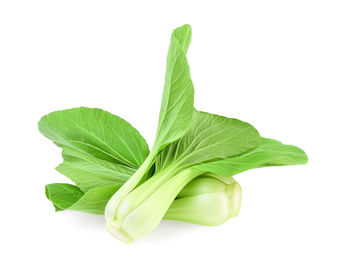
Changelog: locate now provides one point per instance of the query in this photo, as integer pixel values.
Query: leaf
(89, 172)
(177, 102)
(269, 153)
(97, 132)
(210, 138)
(94, 201)
(65, 196)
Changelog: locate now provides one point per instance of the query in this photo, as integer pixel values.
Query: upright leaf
(175, 113)
(177, 102)
(269, 153)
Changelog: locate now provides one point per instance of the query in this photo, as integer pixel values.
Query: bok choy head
(187, 174)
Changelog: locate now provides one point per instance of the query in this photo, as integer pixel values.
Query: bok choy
(185, 176)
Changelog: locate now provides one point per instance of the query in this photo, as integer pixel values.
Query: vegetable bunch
(186, 176)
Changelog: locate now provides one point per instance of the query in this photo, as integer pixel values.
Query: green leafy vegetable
(186, 176)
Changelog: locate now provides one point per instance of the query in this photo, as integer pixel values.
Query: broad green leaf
(211, 137)
(65, 196)
(177, 102)
(269, 153)
(97, 132)
(89, 172)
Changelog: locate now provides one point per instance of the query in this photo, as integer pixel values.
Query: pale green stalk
(207, 183)
(114, 202)
(206, 201)
(143, 192)
(138, 222)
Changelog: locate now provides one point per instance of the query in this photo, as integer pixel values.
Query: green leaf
(177, 102)
(96, 132)
(269, 153)
(89, 172)
(210, 138)
(94, 201)
(66, 196)
(63, 195)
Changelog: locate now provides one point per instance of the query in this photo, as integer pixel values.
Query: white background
(283, 66)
